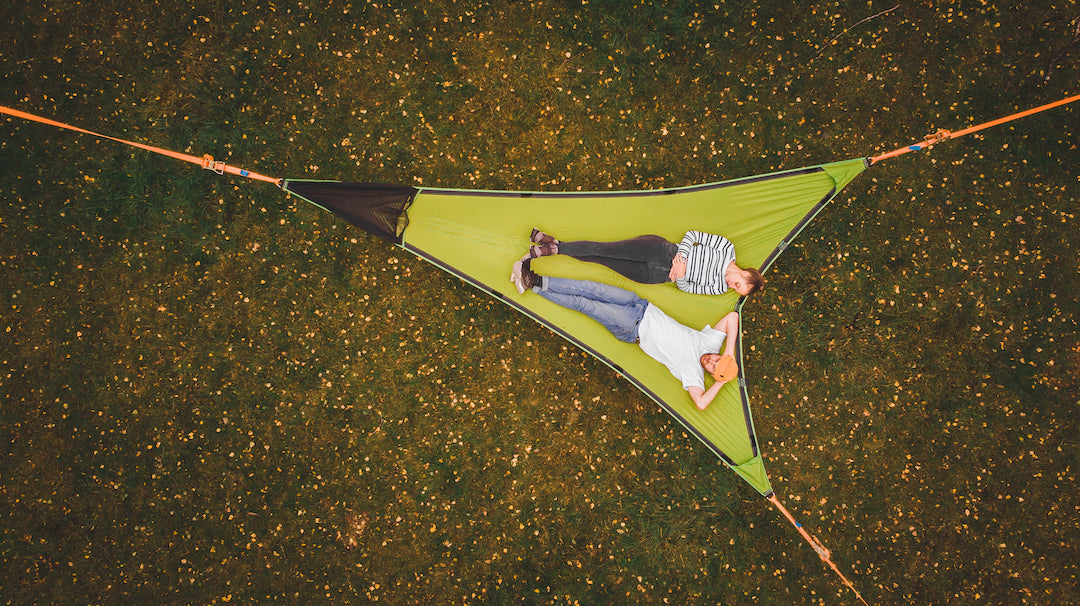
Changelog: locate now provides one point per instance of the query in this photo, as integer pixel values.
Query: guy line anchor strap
(823, 553)
(942, 135)
(206, 161)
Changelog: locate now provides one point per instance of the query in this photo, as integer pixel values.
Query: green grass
(212, 393)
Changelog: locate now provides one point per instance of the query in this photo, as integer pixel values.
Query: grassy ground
(209, 393)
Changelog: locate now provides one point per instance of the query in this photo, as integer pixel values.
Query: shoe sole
(515, 277)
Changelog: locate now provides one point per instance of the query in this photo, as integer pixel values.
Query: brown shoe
(540, 237)
(523, 277)
(543, 250)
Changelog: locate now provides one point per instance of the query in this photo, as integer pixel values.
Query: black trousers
(644, 259)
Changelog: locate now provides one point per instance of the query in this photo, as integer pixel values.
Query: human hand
(678, 268)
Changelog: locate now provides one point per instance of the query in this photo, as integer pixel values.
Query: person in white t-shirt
(684, 351)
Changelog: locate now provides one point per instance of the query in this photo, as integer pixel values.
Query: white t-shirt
(678, 347)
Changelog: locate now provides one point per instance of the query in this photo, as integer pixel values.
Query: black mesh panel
(374, 207)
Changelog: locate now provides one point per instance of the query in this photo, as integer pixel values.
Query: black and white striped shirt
(707, 259)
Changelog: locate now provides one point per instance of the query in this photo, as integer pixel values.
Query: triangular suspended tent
(477, 236)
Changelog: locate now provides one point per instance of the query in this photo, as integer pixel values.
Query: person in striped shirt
(701, 264)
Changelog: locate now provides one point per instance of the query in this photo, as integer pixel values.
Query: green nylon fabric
(479, 235)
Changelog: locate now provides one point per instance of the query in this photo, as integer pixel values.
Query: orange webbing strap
(942, 135)
(818, 547)
(206, 161)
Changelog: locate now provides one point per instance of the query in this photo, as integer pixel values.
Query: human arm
(697, 288)
(703, 397)
(729, 325)
(694, 238)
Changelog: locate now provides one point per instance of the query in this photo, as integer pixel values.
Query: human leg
(644, 259)
(596, 291)
(642, 273)
(616, 309)
(642, 248)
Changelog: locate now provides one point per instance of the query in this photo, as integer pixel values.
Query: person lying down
(701, 264)
(684, 351)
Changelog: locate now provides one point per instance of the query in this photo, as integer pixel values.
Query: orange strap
(206, 161)
(818, 547)
(942, 135)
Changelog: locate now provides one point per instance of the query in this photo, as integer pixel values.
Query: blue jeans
(644, 259)
(616, 309)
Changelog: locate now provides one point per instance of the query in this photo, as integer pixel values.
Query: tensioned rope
(823, 553)
(930, 140)
(209, 163)
(943, 135)
(206, 161)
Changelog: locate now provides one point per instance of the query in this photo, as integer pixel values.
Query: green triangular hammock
(477, 236)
